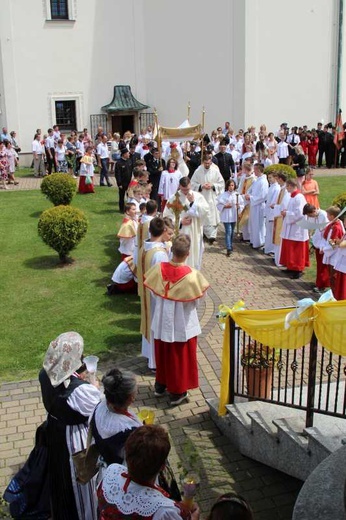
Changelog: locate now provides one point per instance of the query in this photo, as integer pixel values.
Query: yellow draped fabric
(269, 327)
(330, 326)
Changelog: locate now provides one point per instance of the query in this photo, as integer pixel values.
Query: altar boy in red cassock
(177, 289)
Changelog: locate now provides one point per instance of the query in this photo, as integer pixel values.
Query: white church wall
(290, 61)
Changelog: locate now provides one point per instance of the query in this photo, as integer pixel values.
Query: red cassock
(339, 289)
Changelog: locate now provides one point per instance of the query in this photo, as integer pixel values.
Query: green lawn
(40, 299)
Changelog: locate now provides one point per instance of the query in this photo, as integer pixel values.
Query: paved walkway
(247, 275)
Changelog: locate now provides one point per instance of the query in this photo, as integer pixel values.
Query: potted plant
(258, 361)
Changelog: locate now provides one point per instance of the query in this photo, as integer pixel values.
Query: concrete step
(327, 435)
(295, 457)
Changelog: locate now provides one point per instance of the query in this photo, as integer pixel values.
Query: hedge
(59, 188)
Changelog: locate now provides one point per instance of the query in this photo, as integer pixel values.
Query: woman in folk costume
(295, 240)
(86, 172)
(128, 231)
(131, 491)
(113, 420)
(69, 401)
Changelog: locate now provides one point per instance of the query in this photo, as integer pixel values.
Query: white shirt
(282, 150)
(37, 147)
(50, 142)
(102, 150)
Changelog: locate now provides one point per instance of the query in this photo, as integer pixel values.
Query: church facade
(246, 61)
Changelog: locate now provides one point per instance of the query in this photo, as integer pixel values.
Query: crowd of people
(222, 179)
(132, 478)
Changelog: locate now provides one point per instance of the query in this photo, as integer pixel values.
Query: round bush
(283, 168)
(62, 228)
(59, 188)
(340, 200)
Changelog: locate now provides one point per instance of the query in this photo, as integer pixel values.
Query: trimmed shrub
(340, 200)
(62, 228)
(59, 188)
(283, 168)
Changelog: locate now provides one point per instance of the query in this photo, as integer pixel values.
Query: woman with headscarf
(69, 401)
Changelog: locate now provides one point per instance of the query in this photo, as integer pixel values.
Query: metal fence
(310, 378)
(97, 120)
(146, 119)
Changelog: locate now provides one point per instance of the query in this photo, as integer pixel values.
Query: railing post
(311, 382)
(231, 359)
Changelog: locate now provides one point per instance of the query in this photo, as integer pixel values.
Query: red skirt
(339, 290)
(294, 254)
(176, 365)
(85, 188)
(322, 271)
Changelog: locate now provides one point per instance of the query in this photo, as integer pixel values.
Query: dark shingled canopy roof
(123, 100)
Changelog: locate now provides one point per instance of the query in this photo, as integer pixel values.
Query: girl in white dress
(169, 182)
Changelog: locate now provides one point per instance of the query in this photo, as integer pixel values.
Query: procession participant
(245, 182)
(176, 289)
(169, 182)
(225, 161)
(227, 206)
(189, 210)
(128, 231)
(193, 158)
(70, 401)
(86, 174)
(123, 174)
(174, 151)
(332, 233)
(143, 226)
(339, 289)
(155, 166)
(281, 204)
(318, 216)
(152, 252)
(136, 198)
(295, 240)
(103, 161)
(273, 193)
(124, 279)
(310, 188)
(256, 196)
(208, 181)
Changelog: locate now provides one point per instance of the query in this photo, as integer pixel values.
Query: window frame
(71, 12)
(67, 96)
(65, 6)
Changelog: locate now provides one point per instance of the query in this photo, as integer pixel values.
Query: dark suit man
(225, 162)
(123, 174)
(155, 167)
(193, 159)
(134, 156)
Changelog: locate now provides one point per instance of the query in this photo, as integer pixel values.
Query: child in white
(169, 182)
(227, 206)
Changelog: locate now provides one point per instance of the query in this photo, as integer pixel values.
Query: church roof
(123, 100)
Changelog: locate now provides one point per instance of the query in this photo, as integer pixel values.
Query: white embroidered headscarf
(63, 357)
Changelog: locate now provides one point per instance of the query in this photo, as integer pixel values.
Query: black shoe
(109, 185)
(113, 288)
(176, 399)
(229, 251)
(103, 184)
(159, 389)
(296, 275)
(211, 241)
